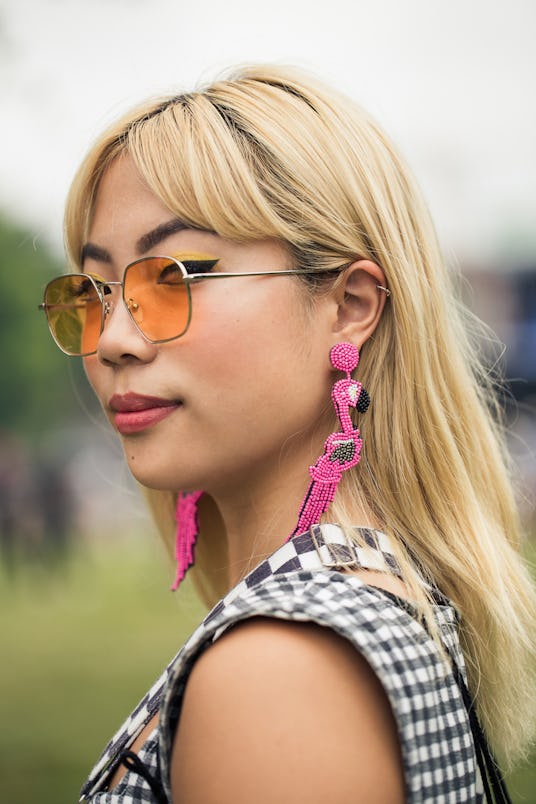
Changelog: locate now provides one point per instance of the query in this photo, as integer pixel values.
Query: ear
(361, 296)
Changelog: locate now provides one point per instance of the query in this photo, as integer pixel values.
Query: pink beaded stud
(344, 357)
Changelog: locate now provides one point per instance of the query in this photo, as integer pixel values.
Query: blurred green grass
(80, 647)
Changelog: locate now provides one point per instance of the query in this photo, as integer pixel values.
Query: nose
(121, 341)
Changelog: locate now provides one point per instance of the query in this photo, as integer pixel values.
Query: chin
(154, 480)
(161, 478)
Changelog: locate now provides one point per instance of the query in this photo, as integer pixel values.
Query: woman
(334, 666)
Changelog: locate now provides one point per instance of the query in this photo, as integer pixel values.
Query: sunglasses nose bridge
(131, 305)
(107, 303)
(107, 307)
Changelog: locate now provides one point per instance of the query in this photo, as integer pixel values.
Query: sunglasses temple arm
(193, 278)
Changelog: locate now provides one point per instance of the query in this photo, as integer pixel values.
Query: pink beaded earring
(342, 449)
(186, 533)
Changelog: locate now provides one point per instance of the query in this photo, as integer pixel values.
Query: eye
(99, 282)
(84, 290)
(169, 275)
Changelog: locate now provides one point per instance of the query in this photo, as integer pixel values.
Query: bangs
(208, 170)
(246, 160)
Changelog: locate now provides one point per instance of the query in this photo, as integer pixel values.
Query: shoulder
(288, 712)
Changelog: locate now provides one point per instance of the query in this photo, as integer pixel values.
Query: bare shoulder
(287, 712)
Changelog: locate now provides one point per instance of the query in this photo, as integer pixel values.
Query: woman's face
(241, 395)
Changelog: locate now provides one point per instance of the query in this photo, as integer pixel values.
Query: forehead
(130, 221)
(123, 196)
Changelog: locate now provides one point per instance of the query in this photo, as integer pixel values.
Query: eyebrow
(94, 252)
(145, 243)
(155, 236)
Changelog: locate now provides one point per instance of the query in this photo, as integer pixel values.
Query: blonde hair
(270, 152)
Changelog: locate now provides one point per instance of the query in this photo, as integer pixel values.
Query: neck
(261, 519)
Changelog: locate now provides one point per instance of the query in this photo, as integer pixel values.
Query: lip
(133, 413)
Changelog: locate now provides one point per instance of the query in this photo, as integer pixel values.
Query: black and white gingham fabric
(303, 581)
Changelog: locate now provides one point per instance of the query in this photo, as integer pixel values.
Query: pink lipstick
(136, 412)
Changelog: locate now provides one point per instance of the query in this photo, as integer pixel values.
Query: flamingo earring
(342, 449)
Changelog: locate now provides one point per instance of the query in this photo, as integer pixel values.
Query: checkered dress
(303, 581)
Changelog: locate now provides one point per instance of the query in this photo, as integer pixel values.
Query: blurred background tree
(35, 387)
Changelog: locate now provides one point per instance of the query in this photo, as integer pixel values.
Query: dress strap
(320, 548)
(355, 548)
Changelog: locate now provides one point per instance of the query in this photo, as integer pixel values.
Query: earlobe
(362, 294)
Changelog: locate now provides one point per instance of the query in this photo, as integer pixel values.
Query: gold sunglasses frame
(188, 279)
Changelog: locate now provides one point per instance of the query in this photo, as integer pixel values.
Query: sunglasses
(155, 291)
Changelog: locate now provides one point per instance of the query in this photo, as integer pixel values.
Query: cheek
(261, 356)
(243, 336)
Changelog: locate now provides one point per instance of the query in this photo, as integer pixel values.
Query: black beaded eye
(363, 402)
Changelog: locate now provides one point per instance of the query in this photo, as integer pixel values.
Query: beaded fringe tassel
(186, 534)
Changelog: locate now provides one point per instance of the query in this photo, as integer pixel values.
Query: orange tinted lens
(74, 313)
(157, 298)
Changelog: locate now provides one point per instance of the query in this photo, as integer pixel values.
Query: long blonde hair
(269, 152)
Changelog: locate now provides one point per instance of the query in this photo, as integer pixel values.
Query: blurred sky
(453, 81)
